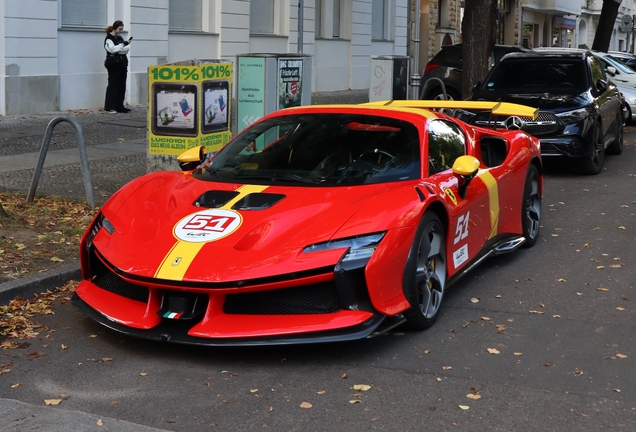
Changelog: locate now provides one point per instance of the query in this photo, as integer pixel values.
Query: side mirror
(475, 86)
(465, 169)
(192, 158)
(601, 85)
(612, 71)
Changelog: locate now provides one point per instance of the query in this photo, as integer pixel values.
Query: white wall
(44, 67)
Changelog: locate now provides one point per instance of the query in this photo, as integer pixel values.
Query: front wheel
(531, 211)
(425, 274)
(616, 147)
(594, 164)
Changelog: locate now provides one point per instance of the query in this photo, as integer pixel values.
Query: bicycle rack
(45, 147)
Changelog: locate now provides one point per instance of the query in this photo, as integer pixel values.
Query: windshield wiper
(294, 178)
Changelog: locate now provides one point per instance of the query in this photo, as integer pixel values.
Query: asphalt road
(548, 346)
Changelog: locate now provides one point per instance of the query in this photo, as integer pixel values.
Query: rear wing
(495, 108)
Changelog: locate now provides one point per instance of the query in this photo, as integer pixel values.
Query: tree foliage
(478, 38)
(606, 21)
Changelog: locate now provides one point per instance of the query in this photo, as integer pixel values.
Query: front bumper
(322, 305)
(572, 146)
(178, 332)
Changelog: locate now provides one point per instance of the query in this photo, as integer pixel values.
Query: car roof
(578, 54)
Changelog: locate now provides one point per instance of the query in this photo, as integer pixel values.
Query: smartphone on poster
(216, 109)
(174, 109)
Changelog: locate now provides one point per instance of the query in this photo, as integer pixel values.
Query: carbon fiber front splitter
(174, 332)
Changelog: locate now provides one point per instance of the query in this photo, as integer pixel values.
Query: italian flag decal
(172, 315)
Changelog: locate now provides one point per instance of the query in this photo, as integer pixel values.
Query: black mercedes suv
(580, 116)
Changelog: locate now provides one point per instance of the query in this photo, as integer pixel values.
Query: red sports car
(315, 224)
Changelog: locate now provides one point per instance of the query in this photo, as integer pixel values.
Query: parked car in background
(580, 110)
(629, 103)
(627, 59)
(447, 66)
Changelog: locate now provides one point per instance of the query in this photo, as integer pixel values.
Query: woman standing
(117, 65)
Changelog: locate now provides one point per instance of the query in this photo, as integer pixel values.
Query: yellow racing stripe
(177, 261)
(493, 200)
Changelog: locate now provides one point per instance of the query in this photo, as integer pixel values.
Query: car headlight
(570, 117)
(359, 248)
(100, 222)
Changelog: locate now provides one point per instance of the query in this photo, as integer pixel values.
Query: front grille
(105, 279)
(546, 122)
(319, 298)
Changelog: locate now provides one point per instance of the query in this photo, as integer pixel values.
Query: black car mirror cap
(601, 85)
(475, 86)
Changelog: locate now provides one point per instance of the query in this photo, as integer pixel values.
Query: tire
(616, 147)
(531, 207)
(425, 273)
(436, 94)
(594, 164)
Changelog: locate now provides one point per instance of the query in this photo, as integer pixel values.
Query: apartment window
(80, 13)
(185, 15)
(262, 16)
(331, 19)
(380, 20)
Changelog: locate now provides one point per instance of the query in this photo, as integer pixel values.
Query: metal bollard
(44, 149)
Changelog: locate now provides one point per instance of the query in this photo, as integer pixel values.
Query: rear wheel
(594, 164)
(616, 147)
(425, 277)
(531, 211)
(437, 94)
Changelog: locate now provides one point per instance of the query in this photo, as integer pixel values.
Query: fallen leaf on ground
(473, 396)
(52, 401)
(354, 401)
(464, 407)
(306, 405)
(362, 387)
(493, 351)
(100, 422)
(621, 356)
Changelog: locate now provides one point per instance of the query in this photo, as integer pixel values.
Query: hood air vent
(215, 199)
(258, 201)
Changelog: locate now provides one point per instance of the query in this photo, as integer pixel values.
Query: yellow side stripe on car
(177, 261)
(493, 200)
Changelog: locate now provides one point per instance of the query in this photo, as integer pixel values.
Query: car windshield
(618, 65)
(320, 149)
(538, 75)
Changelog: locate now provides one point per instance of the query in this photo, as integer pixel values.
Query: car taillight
(429, 67)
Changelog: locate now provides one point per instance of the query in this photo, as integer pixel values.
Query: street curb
(27, 286)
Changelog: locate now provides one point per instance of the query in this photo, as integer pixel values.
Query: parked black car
(447, 66)
(580, 115)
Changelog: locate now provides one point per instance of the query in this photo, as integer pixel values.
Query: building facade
(530, 23)
(51, 51)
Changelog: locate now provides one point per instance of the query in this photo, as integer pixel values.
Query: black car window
(538, 75)
(446, 142)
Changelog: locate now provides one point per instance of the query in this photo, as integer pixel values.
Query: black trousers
(116, 90)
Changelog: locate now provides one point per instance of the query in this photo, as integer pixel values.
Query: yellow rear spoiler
(496, 108)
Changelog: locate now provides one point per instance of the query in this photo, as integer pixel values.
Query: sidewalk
(116, 149)
(115, 144)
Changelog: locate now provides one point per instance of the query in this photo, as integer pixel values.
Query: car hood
(545, 101)
(157, 225)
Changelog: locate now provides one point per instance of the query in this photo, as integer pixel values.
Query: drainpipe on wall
(414, 23)
(300, 26)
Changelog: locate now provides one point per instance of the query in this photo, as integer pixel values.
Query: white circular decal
(207, 225)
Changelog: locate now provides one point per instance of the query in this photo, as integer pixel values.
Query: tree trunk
(478, 38)
(3, 213)
(606, 21)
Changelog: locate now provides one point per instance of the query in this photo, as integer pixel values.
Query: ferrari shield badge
(207, 225)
